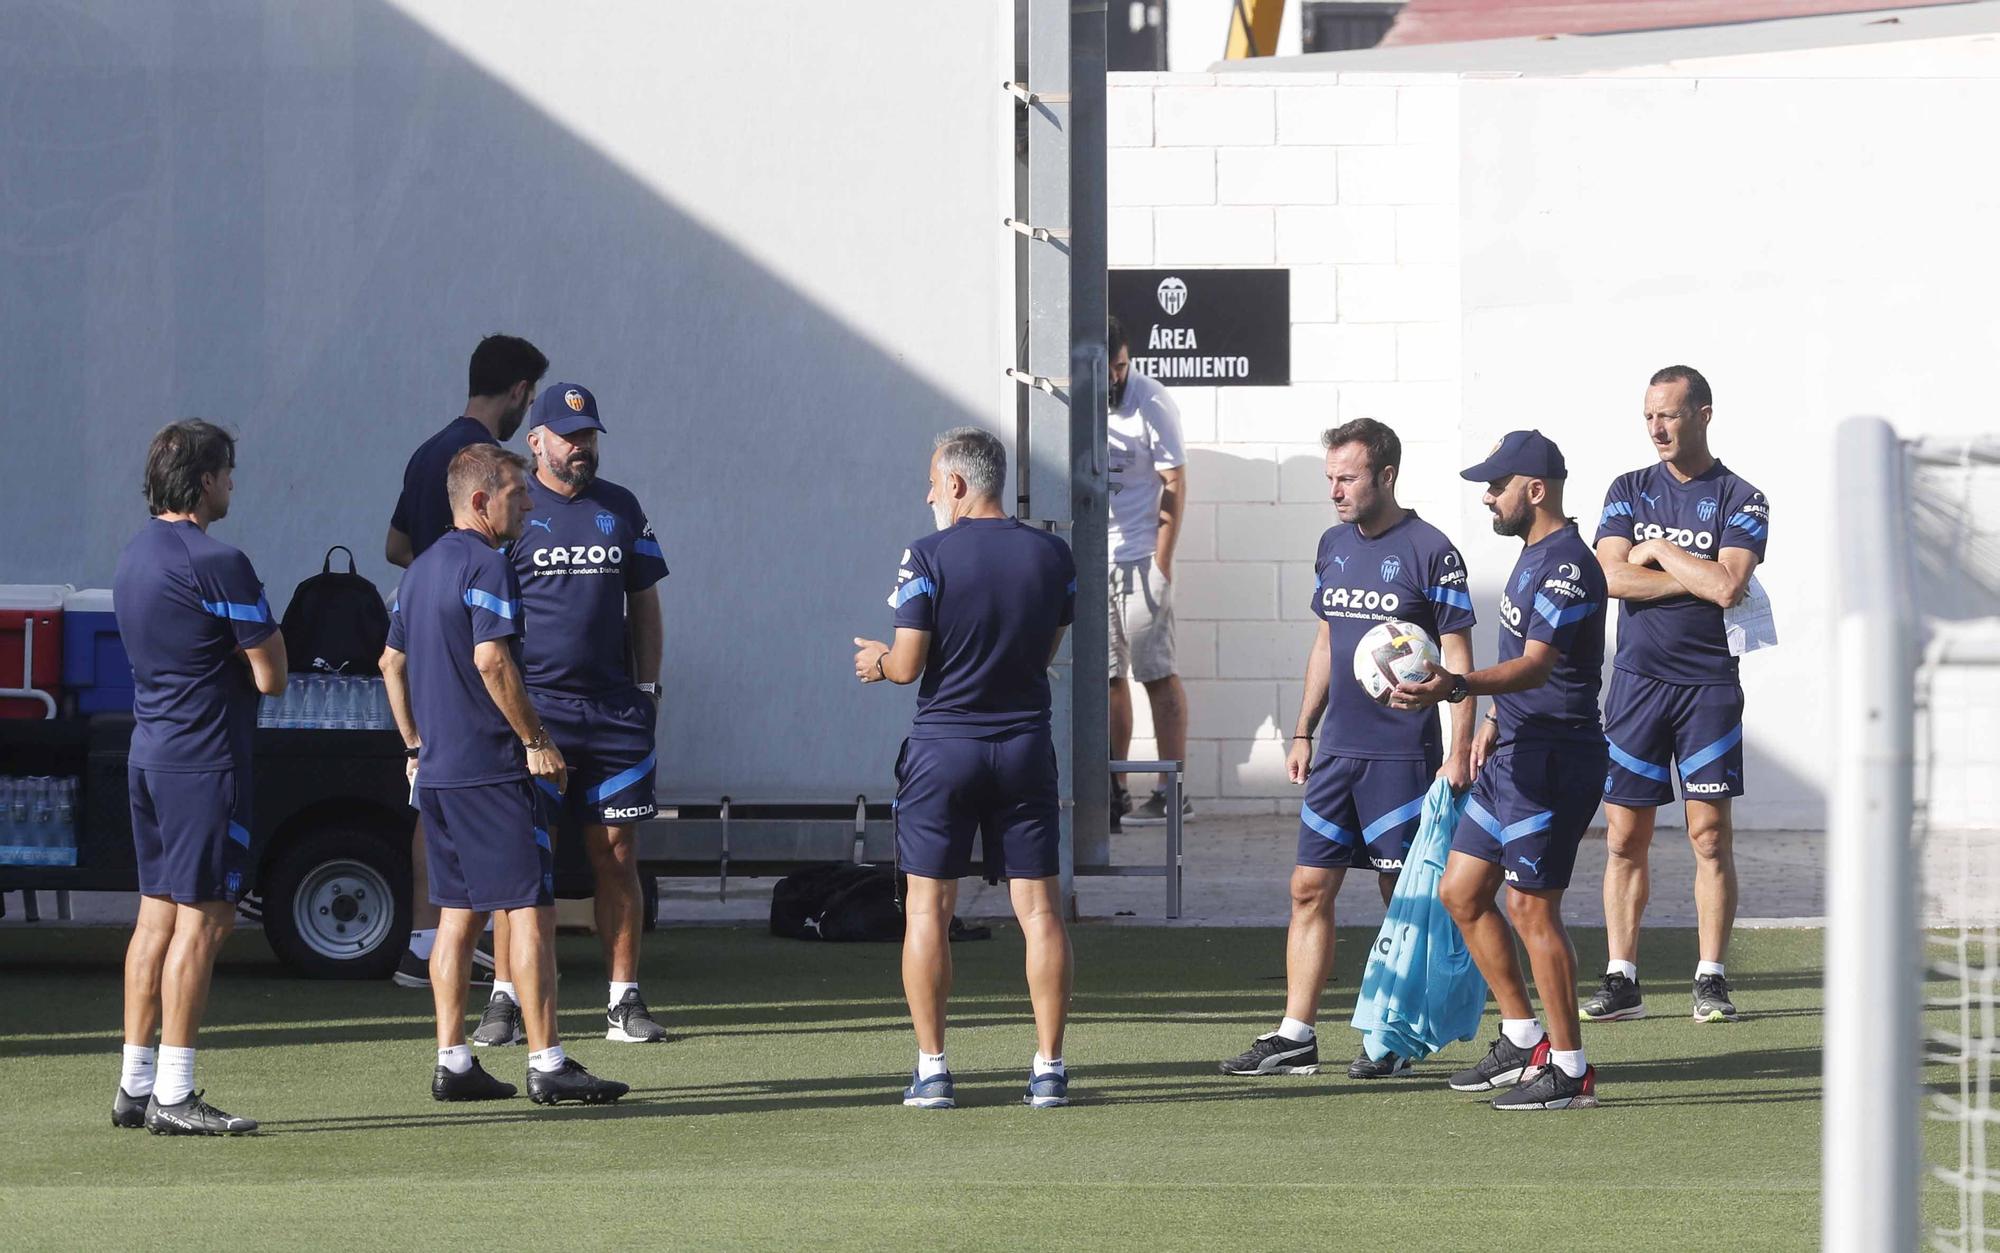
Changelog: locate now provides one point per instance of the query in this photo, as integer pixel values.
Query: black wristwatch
(1460, 689)
(411, 753)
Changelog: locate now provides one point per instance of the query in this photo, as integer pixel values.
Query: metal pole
(1870, 1159)
(1089, 487)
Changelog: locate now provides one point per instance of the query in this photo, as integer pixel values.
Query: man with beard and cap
(500, 383)
(1539, 760)
(588, 566)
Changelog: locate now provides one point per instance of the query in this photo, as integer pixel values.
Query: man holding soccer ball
(1365, 786)
(1540, 759)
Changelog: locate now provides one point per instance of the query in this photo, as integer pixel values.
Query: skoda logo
(574, 399)
(1173, 295)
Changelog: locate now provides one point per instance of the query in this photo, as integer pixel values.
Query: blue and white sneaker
(1047, 1090)
(935, 1092)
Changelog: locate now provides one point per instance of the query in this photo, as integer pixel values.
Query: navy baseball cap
(565, 408)
(1520, 452)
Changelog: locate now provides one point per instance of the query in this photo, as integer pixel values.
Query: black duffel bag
(844, 902)
(336, 623)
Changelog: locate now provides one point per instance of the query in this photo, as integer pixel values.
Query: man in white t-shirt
(1148, 496)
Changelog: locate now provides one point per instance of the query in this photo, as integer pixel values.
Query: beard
(1117, 396)
(1513, 527)
(580, 471)
(941, 515)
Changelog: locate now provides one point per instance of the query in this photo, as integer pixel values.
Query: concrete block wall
(1351, 182)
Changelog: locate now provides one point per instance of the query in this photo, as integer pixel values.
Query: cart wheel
(337, 904)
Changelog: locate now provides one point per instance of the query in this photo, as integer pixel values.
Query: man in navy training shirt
(1539, 757)
(203, 643)
(500, 385)
(981, 606)
(1678, 541)
(1365, 786)
(453, 673)
(587, 563)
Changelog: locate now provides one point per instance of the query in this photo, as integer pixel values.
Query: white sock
(549, 1060)
(422, 941)
(1707, 968)
(135, 1075)
(505, 987)
(1293, 1029)
(173, 1082)
(929, 1064)
(1618, 967)
(1043, 1065)
(1522, 1033)
(1569, 1061)
(618, 991)
(457, 1059)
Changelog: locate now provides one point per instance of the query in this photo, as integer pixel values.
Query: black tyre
(337, 903)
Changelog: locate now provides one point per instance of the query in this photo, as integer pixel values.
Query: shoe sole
(1275, 1070)
(1586, 1101)
(127, 1126)
(1044, 1102)
(1403, 1073)
(508, 1095)
(1155, 822)
(519, 1037)
(1716, 1015)
(402, 980)
(568, 1098)
(185, 1131)
(1633, 1014)
(930, 1102)
(1505, 1079)
(618, 1035)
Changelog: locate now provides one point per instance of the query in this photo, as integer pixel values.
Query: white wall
(298, 216)
(1472, 254)
(1353, 187)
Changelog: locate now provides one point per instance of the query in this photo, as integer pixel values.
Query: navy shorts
(191, 832)
(608, 745)
(1650, 723)
(1362, 813)
(487, 846)
(1529, 809)
(1006, 789)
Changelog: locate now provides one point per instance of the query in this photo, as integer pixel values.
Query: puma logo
(1341, 562)
(1652, 501)
(1534, 864)
(544, 523)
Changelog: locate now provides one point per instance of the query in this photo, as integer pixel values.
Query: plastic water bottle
(17, 803)
(385, 717)
(312, 708)
(288, 704)
(7, 839)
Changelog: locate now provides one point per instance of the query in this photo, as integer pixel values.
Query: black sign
(1209, 328)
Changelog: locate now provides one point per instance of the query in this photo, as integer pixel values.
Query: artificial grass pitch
(773, 1119)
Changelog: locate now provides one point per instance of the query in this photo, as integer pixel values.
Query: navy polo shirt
(423, 511)
(459, 594)
(577, 558)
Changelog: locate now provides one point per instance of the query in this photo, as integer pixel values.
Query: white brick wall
(1352, 187)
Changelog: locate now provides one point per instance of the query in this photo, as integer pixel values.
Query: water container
(95, 668)
(31, 646)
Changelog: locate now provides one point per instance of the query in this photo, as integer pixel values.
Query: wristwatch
(650, 689)
(1460, 689)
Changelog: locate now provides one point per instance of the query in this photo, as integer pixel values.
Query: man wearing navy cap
(588, 563)
(1540, 759)
(452, 668)
(981, 607)
(500, 384)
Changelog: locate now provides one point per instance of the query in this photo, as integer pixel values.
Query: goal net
(1911, 1155)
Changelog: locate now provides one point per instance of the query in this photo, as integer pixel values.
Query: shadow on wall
(1243, 593)
(298, 218)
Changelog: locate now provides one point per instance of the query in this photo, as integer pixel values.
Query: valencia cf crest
(1706, 509)
(605, 522)
(574, 399)
(1521, 584)
(1391, 567)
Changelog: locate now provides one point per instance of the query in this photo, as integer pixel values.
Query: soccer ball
(1390, 653)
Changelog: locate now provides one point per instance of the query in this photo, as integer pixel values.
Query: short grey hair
(975, 455)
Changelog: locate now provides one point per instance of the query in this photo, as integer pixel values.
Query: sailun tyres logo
(1391, 567)
(605, 522)
(1172, 294)
(1570, 570)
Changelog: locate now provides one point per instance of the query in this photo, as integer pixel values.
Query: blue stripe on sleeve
(648, 548)
(1449, 596)
(909, 591)
(1560, 618)
(1616, 509)
(1744, 522)
(490, 603)
(259, 612)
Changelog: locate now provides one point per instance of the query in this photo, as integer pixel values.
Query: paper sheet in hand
(1750, 626)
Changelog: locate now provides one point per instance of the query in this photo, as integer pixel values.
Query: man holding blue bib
(1540, 758)
(981, 607)
(1365, 786)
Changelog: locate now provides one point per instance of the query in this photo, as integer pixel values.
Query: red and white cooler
(30, 648)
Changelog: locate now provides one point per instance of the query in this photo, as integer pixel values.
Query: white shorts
(1142, 621)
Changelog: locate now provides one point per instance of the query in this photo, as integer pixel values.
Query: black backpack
(843, 902)
(336, 623)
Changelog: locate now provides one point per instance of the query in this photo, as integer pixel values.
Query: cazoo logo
(578, 555)
(1679, 536)
(1354, 598)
